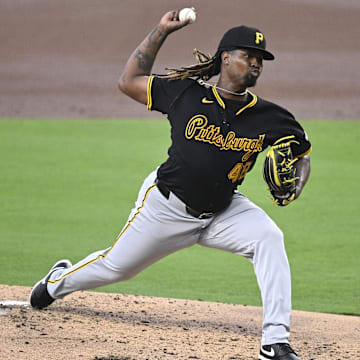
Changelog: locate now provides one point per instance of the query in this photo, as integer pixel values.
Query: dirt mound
(90, 325)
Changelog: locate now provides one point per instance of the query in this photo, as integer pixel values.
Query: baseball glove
(279, 172)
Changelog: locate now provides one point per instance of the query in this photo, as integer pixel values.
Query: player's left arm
(302, 166)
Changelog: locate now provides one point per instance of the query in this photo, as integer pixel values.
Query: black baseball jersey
(216, 141)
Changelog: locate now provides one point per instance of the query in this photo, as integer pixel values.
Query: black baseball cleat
(39, 297)
(280, 351)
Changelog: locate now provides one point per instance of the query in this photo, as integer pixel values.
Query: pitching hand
(170, 22)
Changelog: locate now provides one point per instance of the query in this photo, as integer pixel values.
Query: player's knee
(124, 276)
(107, 272)
(118, 274)
(272, 234)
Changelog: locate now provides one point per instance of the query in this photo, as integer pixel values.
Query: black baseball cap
(244, 37)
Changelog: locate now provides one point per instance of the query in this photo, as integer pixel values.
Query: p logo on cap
(259, 38)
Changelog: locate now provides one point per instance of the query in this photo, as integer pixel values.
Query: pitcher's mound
(90, 325)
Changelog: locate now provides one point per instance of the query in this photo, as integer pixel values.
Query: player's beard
(250, 80)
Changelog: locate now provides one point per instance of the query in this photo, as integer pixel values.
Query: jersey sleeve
(161, 93)
(290, 129)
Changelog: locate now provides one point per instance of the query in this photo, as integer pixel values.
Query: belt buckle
(206, 215)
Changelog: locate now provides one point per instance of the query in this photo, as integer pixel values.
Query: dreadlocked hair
(207, 66)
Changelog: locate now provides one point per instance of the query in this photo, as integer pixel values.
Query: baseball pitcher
(217, 131)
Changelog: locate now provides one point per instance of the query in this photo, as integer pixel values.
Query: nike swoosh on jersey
(268, 353)
(204, 100)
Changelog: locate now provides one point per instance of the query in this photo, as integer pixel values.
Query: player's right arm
(134, 78)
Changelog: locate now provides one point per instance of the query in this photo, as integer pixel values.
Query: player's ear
(225, 57)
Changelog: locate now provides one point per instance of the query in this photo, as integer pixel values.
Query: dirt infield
(89, 325)
(63, 58)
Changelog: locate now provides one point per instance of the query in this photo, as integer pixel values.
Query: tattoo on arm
(150, 37)
(144, 61)
(161, 36)
(146, 52)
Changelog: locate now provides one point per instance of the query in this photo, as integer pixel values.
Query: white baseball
(187, 14)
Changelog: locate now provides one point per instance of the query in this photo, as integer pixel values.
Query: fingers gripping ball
(187, 14)
(279, 173)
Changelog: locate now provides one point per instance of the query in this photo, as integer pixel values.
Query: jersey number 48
(239, 171)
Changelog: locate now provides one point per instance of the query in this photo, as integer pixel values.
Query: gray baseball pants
(158, 227)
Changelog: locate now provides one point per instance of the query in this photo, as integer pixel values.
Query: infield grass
(66, 189)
